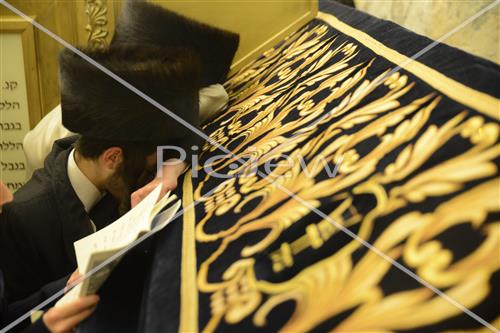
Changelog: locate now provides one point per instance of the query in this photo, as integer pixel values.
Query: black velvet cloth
(11, 312)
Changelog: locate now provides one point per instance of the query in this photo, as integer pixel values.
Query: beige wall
(436, 18)
(57, 16)
(77, 22)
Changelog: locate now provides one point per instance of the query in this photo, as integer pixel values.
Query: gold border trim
(188, 321)
(477, 100)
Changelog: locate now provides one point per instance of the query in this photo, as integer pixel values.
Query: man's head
(97, 105)
(120, 129)
(119, 168)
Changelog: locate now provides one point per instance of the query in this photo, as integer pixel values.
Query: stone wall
(436, 18)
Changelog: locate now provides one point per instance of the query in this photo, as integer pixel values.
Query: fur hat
(95, 105)
(143, 23)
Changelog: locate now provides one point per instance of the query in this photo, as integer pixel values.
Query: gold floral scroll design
(336, 284)
(96, 28)
(410, 238)
(301, 180)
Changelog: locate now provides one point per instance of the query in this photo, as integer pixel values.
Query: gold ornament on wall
(96, 11)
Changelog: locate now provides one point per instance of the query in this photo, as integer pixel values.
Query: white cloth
(38, 142)
(212, 100)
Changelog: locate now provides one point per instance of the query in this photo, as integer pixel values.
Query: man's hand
(5, 194)
(65, 318)
(171, 170)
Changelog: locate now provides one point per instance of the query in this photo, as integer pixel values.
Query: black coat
(11, 312)
(38, 228)
(3, 303)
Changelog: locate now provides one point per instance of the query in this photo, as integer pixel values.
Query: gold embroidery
(258, 129)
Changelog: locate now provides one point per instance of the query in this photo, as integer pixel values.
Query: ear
(112, 157)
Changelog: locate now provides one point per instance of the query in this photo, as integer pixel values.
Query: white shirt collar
(86, 191)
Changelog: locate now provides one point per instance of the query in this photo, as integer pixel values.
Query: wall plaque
(19, 97)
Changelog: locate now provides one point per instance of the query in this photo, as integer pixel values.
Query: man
(38, 142)
(57, 319)
(88, 179)
(142, 23)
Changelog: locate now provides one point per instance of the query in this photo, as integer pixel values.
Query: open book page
(94, 249)
(161, 220)
(155, 217)
(119, 233)
(93, 283)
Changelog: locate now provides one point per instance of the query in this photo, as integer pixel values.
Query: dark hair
(92, 148)
(134, 156)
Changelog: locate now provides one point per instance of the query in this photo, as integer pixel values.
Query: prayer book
(113, 241)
